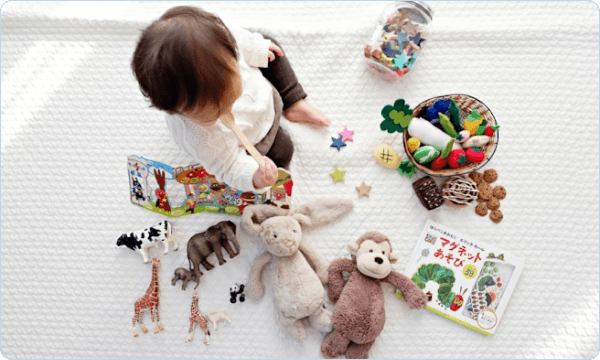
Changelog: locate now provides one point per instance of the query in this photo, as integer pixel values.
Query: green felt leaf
(474, 116)
(446, 124)
(481, 128)
(495, 128)
(407, 169)
(396, 117)
(400, 118)
(455, 114)
(447, 149)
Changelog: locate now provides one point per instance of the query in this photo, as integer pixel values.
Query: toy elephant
(298, 289)
(186, 276)
(214, 239)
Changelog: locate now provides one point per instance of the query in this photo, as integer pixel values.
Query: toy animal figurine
(216, 237)
(196, 318)
(298, 289)
(186, 276)
(149, 302)
(359, 315)
(236, 290)
(141, 241)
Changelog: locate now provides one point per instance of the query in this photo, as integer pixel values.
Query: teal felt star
(337, 143)
(399, 62)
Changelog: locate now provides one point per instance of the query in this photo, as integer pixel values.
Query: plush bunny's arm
(316, 259)
(257, 289)
(336, 280)
(413, 295)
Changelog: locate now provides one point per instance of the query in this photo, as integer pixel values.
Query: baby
(196, 69)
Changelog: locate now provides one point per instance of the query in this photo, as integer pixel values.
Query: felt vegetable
(440, 106)
(475, 155)
(490, 130)
(481, 127)
(429, 134)
(413, 144)
(457, 159)
(396, 117)
(463, 136)
(448, 148)
(454, 111)
(438, 163)
(387, 156)
(476, 141)
(426, 154)
(472, 122)
(447, 125)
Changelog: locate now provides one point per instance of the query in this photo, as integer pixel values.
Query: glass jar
(396, 43)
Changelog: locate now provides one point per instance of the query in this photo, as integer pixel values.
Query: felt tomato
(439, 163)
(475, 155)
(490, 130)
(457, 159)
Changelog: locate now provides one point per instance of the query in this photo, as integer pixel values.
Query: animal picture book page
(180, 191)
(465, 280)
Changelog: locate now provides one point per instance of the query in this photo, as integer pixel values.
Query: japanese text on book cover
(466, 280)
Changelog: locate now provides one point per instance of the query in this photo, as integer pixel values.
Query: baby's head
(186, 63)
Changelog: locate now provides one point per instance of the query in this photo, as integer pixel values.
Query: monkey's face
(373, 259)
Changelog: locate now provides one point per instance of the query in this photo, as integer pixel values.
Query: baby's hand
(274, 49)
(266, 175)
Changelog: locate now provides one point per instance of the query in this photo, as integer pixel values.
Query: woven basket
(466, 104)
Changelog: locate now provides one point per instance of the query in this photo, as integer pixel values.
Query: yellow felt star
(363, 190)
(337, 175)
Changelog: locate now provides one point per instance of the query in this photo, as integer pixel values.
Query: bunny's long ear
(254, 216)
(321, 212)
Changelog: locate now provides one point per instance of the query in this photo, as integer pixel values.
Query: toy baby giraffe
(149, 301)
(197, 318)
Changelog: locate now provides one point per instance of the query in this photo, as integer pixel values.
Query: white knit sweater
(216, 147)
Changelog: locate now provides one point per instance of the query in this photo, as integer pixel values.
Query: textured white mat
(72, 113)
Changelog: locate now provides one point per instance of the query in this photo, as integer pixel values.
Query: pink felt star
(347, 134)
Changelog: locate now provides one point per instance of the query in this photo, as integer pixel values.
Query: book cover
(466, 280)
(180, 191)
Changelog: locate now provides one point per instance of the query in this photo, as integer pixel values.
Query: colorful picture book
(467, 281)
(181, 191)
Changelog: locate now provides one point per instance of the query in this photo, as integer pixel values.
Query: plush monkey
(360, 314)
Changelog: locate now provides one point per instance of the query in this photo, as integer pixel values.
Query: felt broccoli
(396, 117)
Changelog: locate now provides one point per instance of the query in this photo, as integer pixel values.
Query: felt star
(388, 36)
(347, 134)
(399, 62)
(417, 39)
(337, 143)
(390, 48)
(363, 190)
(337, 175)
(410, 27)
(402, 40)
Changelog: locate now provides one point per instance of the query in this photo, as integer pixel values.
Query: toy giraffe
(149, 301)
(197, 318)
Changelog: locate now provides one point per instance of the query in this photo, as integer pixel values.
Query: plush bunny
(298, 289)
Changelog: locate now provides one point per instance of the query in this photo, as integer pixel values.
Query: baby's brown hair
(179, 60)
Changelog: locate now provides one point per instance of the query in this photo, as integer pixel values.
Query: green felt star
(337, 175)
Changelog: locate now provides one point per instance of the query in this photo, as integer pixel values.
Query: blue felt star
(390, 48)
(337, 143)
(402, 40)
(399, 62)
(417, 39)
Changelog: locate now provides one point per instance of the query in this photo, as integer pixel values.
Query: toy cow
(141, 241)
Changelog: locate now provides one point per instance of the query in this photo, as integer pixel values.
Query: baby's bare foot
(302, 111)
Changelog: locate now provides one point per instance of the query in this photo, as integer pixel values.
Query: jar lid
(424, 7)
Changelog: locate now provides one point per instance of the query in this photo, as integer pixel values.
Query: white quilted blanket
(72, 113)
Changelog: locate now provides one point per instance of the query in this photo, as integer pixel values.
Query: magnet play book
(466, 281)
(180, 191)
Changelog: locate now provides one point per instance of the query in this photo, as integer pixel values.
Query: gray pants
(277, 145)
